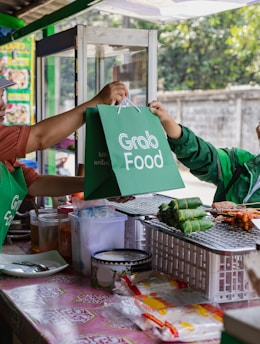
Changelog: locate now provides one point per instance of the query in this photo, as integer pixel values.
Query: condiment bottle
(64, 233)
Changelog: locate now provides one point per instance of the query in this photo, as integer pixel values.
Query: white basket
(222, 278)
(135, 236)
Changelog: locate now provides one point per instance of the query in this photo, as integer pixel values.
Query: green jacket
(217, 165)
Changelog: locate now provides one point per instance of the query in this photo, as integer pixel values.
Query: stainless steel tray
(142, 205)
(222, 238)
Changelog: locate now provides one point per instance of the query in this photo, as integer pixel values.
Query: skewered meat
(224, 205)
(237, 217)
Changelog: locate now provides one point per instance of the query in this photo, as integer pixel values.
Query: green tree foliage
(202, 53)
(209, 52)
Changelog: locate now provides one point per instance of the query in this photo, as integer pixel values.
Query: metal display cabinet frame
(82, 44)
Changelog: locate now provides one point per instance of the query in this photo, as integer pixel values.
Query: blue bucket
(30, 163)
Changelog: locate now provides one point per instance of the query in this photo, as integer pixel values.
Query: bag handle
(126, 102)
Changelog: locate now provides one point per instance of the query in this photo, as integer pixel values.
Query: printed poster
(17, 64)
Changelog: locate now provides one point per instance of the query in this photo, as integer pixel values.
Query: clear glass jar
(64, 233)
(49, 227)
(34, 226)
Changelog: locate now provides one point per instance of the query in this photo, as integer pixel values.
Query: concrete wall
(225, 117)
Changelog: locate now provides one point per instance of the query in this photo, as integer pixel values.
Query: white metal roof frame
(155, 11)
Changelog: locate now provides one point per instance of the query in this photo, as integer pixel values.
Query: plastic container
(65, 209)
(34, 226)
(136, 210)
(30, 163)
(135, 232)
(49, 226)
(90, 235)
(64, 234)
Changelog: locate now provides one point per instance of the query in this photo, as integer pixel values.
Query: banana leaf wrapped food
(189, 214)
(172, 216)
(195, 225)
(185, 214)
(166, 214)
(185, 203)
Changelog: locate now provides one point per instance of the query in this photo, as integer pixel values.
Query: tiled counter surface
(62, 309)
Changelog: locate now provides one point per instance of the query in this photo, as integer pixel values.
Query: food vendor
(234, 171)
(19, 181)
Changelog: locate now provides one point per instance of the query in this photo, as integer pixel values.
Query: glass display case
(73, 65)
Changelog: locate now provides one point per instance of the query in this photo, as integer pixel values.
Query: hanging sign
(17, 64)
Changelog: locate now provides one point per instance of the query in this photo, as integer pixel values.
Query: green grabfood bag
(126, 153)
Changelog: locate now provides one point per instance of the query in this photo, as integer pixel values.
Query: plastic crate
(219, 274)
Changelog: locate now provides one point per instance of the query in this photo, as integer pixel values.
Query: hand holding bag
(127, 153)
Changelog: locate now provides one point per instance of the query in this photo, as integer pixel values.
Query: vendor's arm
(54, 186)
(199, 156)
(18, 140)
(54, 129)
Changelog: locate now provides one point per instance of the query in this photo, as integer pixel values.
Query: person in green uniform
(234, 171)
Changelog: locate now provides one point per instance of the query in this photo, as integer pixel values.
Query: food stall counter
(61, 308)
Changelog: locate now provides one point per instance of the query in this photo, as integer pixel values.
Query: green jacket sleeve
(217, 166)
(199, 156)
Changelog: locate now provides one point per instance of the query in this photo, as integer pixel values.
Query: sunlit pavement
(193, 188)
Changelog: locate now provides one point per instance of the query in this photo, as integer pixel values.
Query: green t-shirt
(13, 191)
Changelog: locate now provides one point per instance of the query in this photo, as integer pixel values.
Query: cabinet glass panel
(128, 64)
(59, 97)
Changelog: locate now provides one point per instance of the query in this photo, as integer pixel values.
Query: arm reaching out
(173, 129)
(54, 129)
(55, 186)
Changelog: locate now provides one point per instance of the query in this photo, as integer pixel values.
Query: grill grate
(141, 206)
(221, 239)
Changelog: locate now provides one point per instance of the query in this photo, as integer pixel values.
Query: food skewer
(233, 211)
(229, 212)
(246, 204)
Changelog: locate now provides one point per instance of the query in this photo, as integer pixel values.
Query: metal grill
(142, 205)
(221, 277)
(221, 239)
